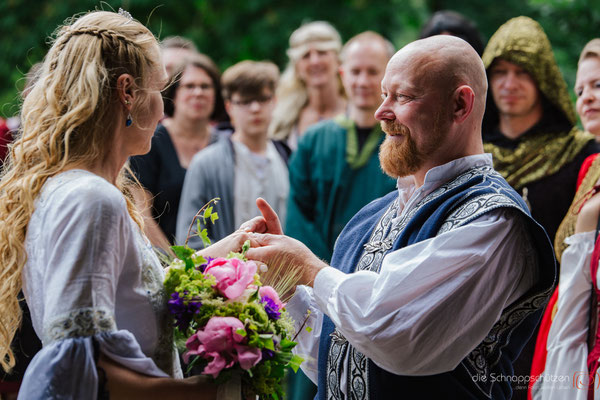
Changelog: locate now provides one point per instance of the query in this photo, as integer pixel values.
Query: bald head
(434, 93)
(447, 61)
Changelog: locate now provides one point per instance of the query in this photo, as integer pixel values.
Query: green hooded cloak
(522, 41)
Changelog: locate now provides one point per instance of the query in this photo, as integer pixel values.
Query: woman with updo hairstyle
(70, 236)
(191, 104)
(568, 342)
(310, 89)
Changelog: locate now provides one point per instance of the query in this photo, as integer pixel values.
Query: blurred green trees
(569, 24)
(232, 30)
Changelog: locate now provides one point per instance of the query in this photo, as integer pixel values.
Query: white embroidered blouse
(565, 375)
(91, 276)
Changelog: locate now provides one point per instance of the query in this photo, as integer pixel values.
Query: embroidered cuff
(81, 322)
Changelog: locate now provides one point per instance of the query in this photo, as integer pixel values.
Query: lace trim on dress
(81, 322)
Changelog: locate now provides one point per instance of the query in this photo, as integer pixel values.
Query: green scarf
(354, 158)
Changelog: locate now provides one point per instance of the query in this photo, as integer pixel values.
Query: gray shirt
(211, 174)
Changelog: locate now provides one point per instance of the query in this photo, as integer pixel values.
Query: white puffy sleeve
(565, 375)
(76, 246)
(423, 312)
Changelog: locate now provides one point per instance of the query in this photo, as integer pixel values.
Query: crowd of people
(441, 201)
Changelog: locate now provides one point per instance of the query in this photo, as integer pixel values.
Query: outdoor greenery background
(233, 30)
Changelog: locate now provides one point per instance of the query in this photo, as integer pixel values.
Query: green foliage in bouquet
(226, 320)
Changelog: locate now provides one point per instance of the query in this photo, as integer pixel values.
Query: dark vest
(486, 371)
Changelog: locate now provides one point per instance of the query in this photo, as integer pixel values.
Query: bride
(70, 236)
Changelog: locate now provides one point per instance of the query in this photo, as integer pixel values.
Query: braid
(111, 39)
(67, 120)
(106, 34)
(102, 33)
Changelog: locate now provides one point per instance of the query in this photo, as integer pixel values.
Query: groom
(434, 288)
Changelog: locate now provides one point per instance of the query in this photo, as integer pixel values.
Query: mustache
(394, 128)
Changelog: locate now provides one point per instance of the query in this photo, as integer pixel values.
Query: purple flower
(271, 307)
(202, 267)
(267, 354)
(182, 310)
(175, 305)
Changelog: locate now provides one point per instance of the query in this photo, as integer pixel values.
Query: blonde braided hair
(66, 122)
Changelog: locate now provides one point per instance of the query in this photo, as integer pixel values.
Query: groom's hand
(279, 251)
(267, 223)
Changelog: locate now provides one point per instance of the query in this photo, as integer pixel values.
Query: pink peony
(220, 343)
(233, 275)
(217, 364)
(268, 291)
(248, 357)
(216, 341)
(219, 334)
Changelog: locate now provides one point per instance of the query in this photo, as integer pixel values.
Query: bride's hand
(123, 383)
(267, 223)
(233, 242)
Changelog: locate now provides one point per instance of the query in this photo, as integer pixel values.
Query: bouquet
(229, 321)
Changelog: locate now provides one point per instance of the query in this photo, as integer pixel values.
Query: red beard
(399, 158)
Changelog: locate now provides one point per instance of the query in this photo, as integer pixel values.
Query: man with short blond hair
(335, 170)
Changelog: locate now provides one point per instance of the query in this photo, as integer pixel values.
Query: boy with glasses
(245, 166)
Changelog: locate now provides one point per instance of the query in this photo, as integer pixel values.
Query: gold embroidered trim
(567, 226)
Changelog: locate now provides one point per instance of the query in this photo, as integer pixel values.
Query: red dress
(539, 357)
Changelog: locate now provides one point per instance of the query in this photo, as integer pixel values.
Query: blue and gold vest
(486, 371)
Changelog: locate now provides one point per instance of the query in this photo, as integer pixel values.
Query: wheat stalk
(281, 276)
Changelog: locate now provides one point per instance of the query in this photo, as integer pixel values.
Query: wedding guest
(529, 128)
(433, 288)
(448, 22)
(564, 331)
(191, 103)
(529, 112)
(334, 158)
(243, 167)
(174, 50)
(310, 89)
(337, 156)
(70, 233)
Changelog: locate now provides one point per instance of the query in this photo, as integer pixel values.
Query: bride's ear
(125, 90)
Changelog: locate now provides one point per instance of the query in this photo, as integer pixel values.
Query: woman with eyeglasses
(192, 103)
